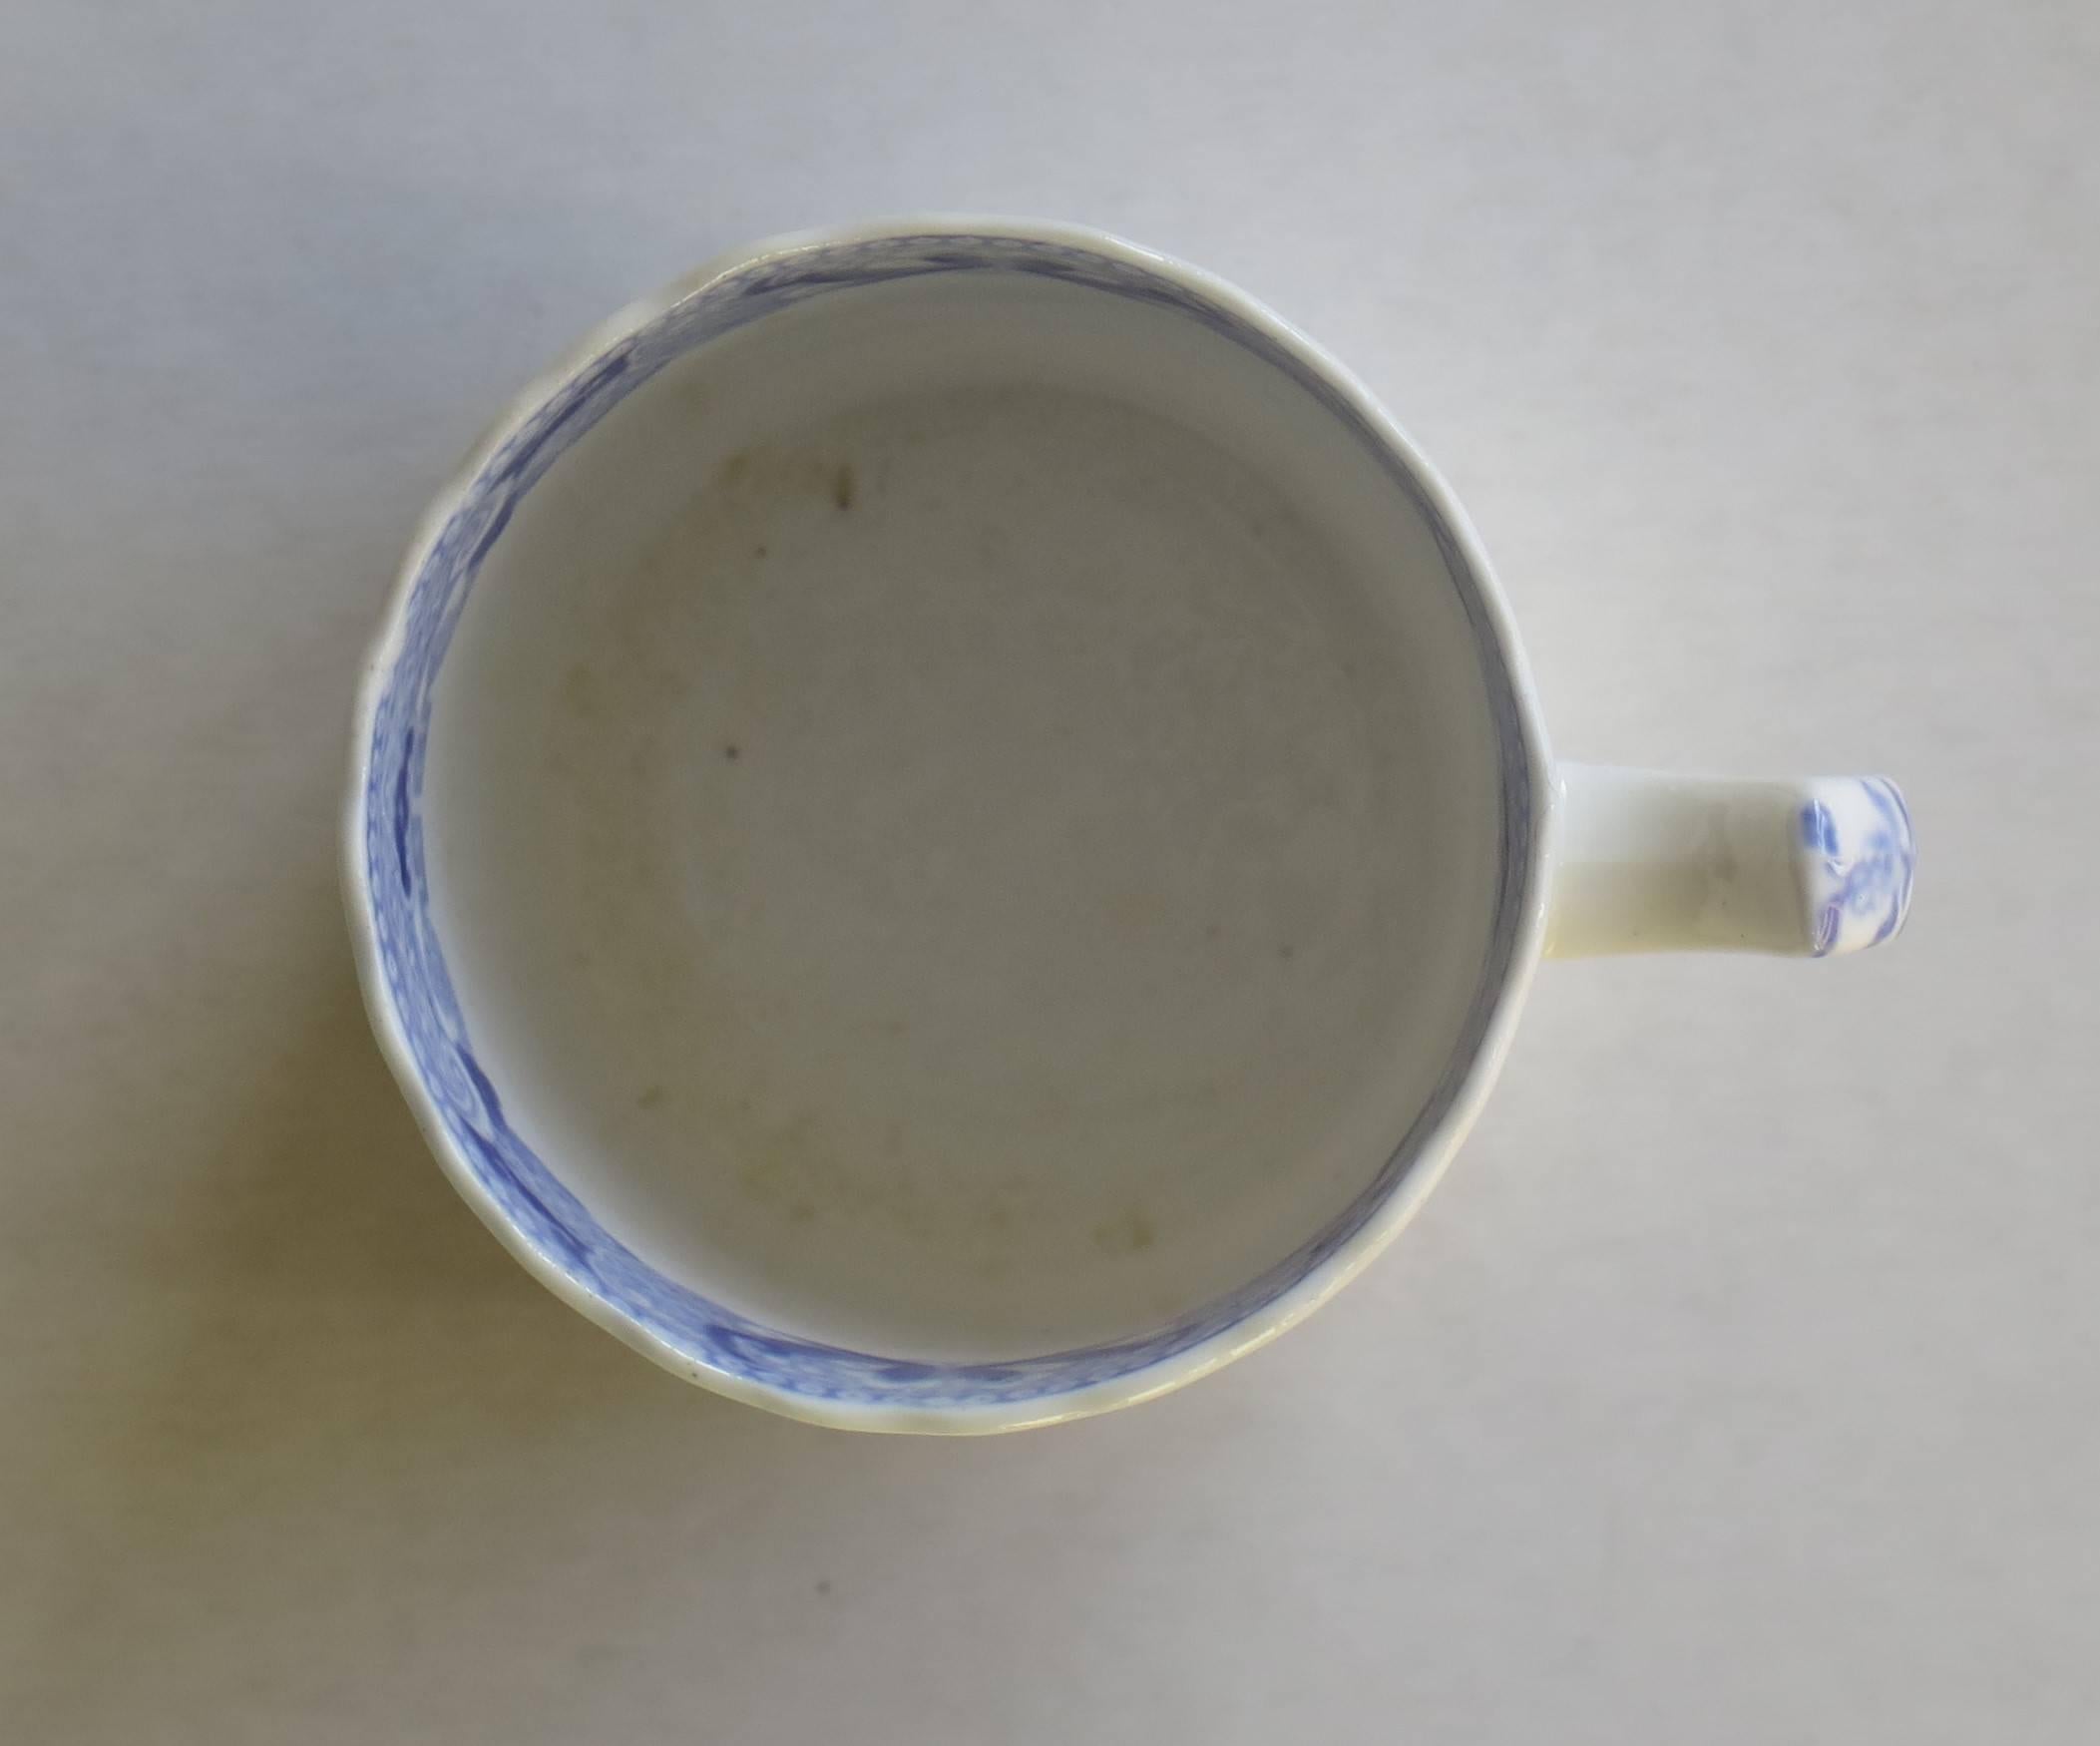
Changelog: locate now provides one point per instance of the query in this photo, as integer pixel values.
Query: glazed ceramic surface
(948, 828)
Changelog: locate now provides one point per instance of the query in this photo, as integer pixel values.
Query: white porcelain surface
(947, 829)
(945, 825)
(1737, 1386)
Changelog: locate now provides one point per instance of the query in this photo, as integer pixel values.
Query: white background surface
(1742, 1384)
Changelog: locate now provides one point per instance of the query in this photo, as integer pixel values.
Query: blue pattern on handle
(1863, 860)
(412, 961)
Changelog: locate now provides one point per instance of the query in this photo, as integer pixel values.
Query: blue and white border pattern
(411, 961)
(1859, 857)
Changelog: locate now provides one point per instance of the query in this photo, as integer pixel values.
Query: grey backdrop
(1742, 1384)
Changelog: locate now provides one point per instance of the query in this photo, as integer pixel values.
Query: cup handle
(1653, 862)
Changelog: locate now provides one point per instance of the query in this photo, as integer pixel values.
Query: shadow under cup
(944, 823)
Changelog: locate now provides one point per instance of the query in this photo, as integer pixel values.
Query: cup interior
(940, 822)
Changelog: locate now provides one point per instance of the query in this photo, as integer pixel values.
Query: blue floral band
(411, 959)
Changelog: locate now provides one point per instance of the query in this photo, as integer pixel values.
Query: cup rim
(1525, 875)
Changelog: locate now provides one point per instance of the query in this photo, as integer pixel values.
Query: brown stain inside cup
(1126, 1233)
(753, 481)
